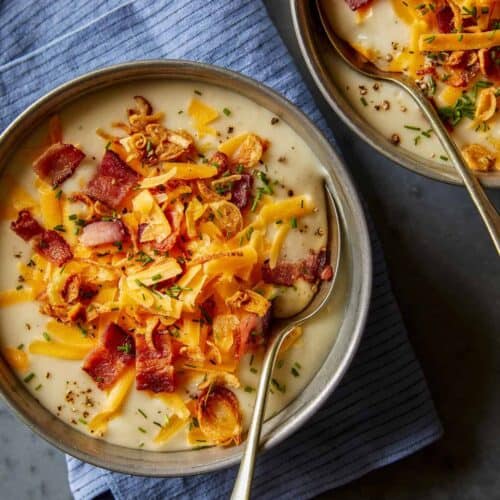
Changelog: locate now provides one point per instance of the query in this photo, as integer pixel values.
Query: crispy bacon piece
(241, 191)
(221, 161)
(115, 352)
(102, 232)
(175, 219)
(49, 244)
(153, 363)
(75, 289)
(26, 226)
(357, 4)
(489, 62)
(219, 415)
(463, 66)
(313, 268)
(57, 163)
(444, 19)
(252, 333)
(113, 180)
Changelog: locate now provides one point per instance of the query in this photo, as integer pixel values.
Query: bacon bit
(76, 290)
(57, 163)
(463, 66)
(444, 19)
(357, 4)
(327, 273)
(113, 180)
(51, 245)
(154, 370)
(71, 288)
(174, 217)
(241, 191)
(103, 232)
(26, 226)
(489, 63)
(111, 357)
(287, 273)
(253, 332)
(219, 160)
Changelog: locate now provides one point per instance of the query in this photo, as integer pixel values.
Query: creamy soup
(61, 385)
(386, 32)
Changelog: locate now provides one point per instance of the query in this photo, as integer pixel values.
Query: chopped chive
(280, 363)
(73, 217)
(46, 336)
(82, 330)
(29, 377)
(20, 347)
(156, 277)
(294, 372)
(411, 127)
(60, 228)
(125, 348)
(59, 194)
(280, 387)
(197, 92)
(293, 222)
(226, 111)
(253, 369)
(141, 429)
(249, 389)
(142, 413)
(363, 101)
(82, 421)
(38, 387)
(157, 424)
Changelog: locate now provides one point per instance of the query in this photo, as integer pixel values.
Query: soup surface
(47, 335)
(465, 89)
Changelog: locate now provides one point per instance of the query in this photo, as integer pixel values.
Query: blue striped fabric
(382, 411)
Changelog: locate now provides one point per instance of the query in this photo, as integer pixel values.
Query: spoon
(357, 62)
(283, 328)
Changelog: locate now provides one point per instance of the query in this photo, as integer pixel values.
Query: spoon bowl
(365, 67)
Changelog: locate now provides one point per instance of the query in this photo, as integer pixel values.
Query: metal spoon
(357, 62)
(283, 328)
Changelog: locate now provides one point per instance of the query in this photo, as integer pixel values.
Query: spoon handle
(486, 209)
(243, 483)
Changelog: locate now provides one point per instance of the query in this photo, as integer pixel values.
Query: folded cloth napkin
(382, 410)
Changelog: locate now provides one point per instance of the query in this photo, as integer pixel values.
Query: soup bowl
(351, 298)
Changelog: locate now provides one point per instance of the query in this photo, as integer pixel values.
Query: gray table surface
(445, 274)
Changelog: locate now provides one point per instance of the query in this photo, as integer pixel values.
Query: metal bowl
(352, 299)
(321, 61)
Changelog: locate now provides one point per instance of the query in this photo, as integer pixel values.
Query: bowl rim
(302, 13)
(133, 461)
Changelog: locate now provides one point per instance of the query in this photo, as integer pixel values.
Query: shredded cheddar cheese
(163, 280)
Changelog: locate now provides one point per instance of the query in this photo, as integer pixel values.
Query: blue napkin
(382, 410)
